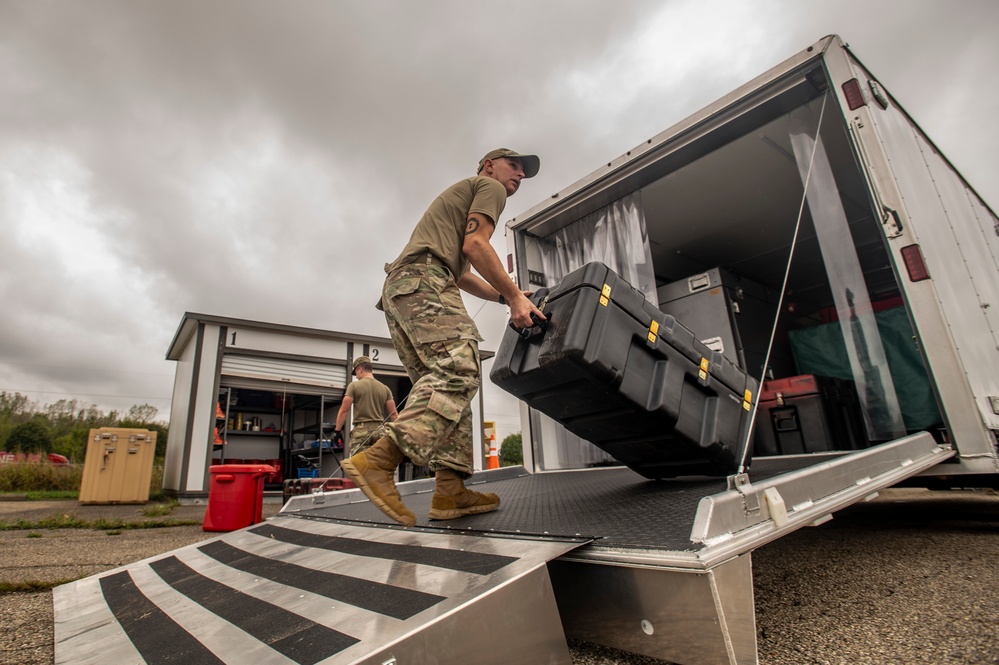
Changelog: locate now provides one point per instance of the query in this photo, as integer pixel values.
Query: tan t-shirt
(369, 395)
(441, 231)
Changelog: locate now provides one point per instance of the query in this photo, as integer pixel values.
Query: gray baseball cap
(531, 163)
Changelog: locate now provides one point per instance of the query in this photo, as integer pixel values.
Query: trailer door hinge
(878, 93)
(750, 500)
(891, 222)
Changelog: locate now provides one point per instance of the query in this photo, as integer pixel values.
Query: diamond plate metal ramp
(295, 590)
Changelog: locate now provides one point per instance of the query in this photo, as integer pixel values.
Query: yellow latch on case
(653, 331)
(747, 400)
(605, 295)
(703, 373)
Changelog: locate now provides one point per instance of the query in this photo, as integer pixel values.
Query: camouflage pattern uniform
(438, 343)
(364, 435)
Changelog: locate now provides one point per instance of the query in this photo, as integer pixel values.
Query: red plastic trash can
(235, 496)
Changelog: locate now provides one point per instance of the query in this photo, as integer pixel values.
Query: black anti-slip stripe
(157, 637)
(466, 562)
(292, 635)
(393, 601)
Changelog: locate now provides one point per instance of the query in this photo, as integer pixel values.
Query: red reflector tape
(912, 256)
(854, 96)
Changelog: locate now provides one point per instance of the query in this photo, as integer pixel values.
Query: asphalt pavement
(908, 578)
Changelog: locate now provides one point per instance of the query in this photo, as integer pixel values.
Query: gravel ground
(909, 578)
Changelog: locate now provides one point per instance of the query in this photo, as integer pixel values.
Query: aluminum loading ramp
(315, 591)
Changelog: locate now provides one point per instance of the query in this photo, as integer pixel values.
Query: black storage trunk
(616, 371)
(808, 414)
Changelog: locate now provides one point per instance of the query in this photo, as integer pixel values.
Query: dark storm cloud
(263, 160)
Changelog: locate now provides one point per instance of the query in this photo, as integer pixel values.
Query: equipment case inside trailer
(730, 314)
(808, 414)
(616, 371)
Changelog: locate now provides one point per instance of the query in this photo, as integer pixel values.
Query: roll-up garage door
(279, 374)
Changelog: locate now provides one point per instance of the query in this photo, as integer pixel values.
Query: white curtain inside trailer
(616, 236)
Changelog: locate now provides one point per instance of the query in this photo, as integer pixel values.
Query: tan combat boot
(372, 471)
(452, 499)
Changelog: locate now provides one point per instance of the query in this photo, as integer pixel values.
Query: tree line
(63, 427)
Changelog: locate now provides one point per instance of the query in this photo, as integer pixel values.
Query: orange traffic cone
(493, 455)
(219, 414)
(218, 439)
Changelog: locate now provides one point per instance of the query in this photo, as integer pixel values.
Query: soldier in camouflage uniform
(438, 342)
(373, 404)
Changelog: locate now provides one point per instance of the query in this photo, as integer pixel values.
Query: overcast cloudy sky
(263, 160)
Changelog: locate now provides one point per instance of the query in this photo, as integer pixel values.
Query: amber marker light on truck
(854, 97)
(914, 264)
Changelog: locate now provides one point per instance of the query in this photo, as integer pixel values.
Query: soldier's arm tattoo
(472, 226)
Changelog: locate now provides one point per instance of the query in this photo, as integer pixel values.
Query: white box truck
(804, 227)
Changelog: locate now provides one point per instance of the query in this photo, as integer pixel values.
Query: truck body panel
(958, 236)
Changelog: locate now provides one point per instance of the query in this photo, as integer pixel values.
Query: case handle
(539, 327)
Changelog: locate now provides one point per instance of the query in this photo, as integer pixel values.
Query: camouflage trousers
(364, 435)
(438, 344)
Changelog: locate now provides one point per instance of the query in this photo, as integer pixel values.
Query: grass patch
(64, 521)
(67, 521)
(53, 495)
(34, 534)
(40, 478)
(116, 532)
(47, 481)
(160, 509)
(31, 586)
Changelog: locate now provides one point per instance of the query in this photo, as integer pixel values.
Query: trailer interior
(725, 212)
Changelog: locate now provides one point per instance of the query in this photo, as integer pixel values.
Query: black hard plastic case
(616, 371)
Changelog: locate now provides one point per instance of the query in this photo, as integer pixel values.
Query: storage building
(258, 392)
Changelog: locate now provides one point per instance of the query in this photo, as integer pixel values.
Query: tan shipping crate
(119, 465)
